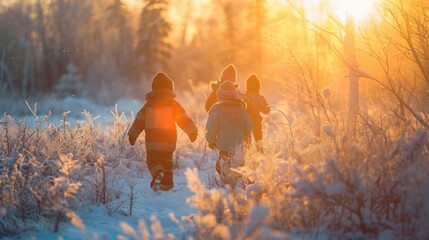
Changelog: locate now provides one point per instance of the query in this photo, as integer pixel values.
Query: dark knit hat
(228, 74)
(253, 84)
(227, 90)
(162, 81)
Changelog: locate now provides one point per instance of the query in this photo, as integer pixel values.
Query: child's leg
(223, 159)
(225, 162)
(153, 163)
(160, 162)
(167, 182)
(257, 130)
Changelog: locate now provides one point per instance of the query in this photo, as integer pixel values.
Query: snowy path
(148, 203)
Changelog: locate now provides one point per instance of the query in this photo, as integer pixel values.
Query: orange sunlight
(134, 3)
(360, 9)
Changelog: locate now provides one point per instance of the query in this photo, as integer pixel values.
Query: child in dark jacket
(158, 118)
(256, 104)
(227, 125)
(228, 74)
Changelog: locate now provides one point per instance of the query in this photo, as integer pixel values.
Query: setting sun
(359, 9)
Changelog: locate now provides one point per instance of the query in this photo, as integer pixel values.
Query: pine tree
(70, 84)
(118, 21)
(153, 50)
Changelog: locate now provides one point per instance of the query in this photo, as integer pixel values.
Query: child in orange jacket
(158, 118)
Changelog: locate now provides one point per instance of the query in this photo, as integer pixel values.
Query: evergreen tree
(118, 21)
(71, 27)
(70, 84)
(153, 50)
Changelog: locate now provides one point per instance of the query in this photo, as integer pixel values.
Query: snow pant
(226, 157)
(223, 167)
(158, 161)
(257, 130)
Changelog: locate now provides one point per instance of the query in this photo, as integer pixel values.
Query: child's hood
(233, 110)
(160, 98)
(228, 103)
(214, 85)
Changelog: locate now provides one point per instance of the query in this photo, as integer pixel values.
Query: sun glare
(359, 9)
(133, 3)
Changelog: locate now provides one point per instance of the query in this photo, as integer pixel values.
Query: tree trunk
(349, 47)
(25, 46)
(25, 43)
(5, 74)
(47, 66)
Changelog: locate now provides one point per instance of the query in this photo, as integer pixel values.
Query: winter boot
(156, 181)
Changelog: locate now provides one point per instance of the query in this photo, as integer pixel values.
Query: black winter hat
(253, 84)
(228, 73)
(162, 81)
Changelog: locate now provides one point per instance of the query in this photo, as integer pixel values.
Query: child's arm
(248, 124)
(212, 128)
(137, 127)
(265, 108)
(211, 100)
(185, 122)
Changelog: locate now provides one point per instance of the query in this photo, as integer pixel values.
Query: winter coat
(212, 99)
(158, 118)
(227, 125)
(256, 104)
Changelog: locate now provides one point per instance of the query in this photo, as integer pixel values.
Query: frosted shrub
(270, 176)
(31, 190)
(46, 170)
(217, 206)
(355, 192)
(86, 141)
(118, 133)
(143, 232)
(357, 195)
(223, 213)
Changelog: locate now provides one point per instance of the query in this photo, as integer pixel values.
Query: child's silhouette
(158, 118)
(227, 125)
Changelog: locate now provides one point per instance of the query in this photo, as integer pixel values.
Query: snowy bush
(356, 191)
(32, 189)
(48, 170)
(226, 213)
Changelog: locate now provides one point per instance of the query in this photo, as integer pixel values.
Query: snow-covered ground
(147, 204)
(74, 107)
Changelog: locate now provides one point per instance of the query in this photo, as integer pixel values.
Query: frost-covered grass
(302, 185)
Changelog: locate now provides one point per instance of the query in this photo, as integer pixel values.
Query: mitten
(212, 145)
(193, 136)
(132, 140)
